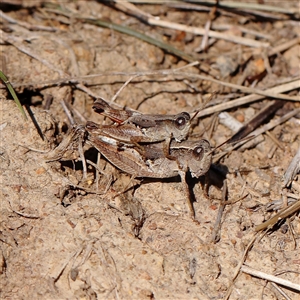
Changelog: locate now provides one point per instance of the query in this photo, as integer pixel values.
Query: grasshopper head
(180, 126)
(200, 158)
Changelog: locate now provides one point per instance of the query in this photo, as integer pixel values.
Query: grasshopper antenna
(229, 142)
(194, 116)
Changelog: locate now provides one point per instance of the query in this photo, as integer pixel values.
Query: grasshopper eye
(91, 125)
(198, 153)
(181, 120)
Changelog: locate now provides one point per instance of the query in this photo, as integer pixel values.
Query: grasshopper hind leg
(187, 193)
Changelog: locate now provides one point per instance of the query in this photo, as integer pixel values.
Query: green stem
(12, 92)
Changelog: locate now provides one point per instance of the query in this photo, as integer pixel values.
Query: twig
(75, 80)
(284, 213)
(275, 286)
(250, 98)
(242, 29)
(227, 12)
(121, 4)
(82, 158)
(259, 131)
(257, 120)
(23, 214)
(272, 278)
(275, 123)
(211, 34)
(96, 167)
(278, 204)
(25, 24)
(232, 4)
(195, 30)
(205, 40)
(266, 93)
(122, 88)
(86, 89)
(284, 46)
(292, 169)
(294, 84)
(67, 112)
(98, 173)
(79, 115)
(256, 6)
(269, 93)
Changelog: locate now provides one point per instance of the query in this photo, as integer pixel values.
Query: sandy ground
(64, 238)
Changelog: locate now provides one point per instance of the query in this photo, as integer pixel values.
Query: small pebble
(240, 117)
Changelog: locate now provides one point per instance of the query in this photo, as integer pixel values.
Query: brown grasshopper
(189, 156)
(127, 134)
(150, 128)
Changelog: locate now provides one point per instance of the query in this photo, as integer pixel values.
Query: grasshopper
(127, 134)
(189, 156)
(153, 128)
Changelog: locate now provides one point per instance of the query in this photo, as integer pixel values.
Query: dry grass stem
(275, 123)
(266, 93)
(122, 88)
(284, 213)
(211, 34)
(231, 4)
(280, 291)
(292, 169)
(283, 47)
(26, 24)
(127, 6)
(243, 30)
(250, 98)
(272, 278)
(257, 132)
